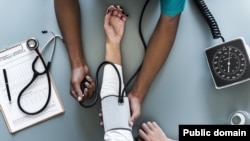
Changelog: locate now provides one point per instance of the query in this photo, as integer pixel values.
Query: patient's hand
(114, 23)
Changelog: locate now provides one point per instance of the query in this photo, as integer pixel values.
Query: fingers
(89, 87)
(133, 118)
(108, 14)
(155, 125)
(150, 131)
(135, 108)
(120, 14)
(116, 11)
(110, 9)
(142, 134)
(147, 127)
(145, 130)
(79, 94)
(76, 91)
(73, 94)
(131, 122)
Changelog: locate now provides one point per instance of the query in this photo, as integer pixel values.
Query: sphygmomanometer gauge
(229, 63)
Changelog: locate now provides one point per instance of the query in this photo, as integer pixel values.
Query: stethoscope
(33, 44)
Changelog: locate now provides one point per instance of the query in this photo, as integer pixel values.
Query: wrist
(112, 45)
(113, 53)
(139, 93)
(77, 62)
(82, 69)
(76, 57)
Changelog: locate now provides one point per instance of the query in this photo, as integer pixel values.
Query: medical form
(17, 61)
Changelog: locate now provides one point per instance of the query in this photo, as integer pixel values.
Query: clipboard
(17, 61)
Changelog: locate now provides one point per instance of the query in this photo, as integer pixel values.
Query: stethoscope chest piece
(32, 44)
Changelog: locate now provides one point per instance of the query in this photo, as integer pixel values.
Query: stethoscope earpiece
(32, 43)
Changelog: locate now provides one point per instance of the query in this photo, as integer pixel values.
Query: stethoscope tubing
(36, 74)
(31, 81)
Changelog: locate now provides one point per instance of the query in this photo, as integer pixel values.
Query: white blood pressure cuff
(115, 115)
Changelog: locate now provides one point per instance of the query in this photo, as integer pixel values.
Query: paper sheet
(17, 61)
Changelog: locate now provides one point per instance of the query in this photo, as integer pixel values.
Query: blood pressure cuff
(115, 115)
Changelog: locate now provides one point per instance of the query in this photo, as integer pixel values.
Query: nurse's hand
(77, 76)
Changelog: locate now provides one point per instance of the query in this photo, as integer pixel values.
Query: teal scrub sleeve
(172, 7)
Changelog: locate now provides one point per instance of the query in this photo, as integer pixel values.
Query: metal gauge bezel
(229, 63)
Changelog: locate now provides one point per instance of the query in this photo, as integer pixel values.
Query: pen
(7, 84)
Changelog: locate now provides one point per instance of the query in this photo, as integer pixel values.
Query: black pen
(7, 84)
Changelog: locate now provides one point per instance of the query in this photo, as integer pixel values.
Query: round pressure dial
(229, 63)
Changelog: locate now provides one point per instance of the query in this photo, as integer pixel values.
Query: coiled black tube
(209, 19)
